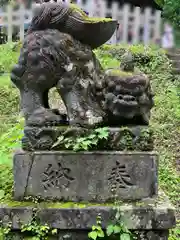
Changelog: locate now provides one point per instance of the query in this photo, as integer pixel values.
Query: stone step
(174, 50)
(151, 218)
(176, 71)
(173, 56)
(176, 63)
(85, 176)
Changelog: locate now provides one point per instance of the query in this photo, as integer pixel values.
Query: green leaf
(2, 193)
(91, 136)
(29, 228)
(160, 2)
(110, 229)
(102, 133)
(100, 130)
(118, 215)
(93, 235)
(94, 227)
(98, 228)
(117, 229)
(54, 231)
(87, 142)
(68, 144)
(125, 236)
(59, 141)
(80, 140)
(33, 238)
(124, 228)
(100, 233)
(84, 147)
(94, 142)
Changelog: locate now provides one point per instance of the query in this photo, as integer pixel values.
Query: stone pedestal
(75, 188)
(85, 176)
(150, 218)
(67, 190)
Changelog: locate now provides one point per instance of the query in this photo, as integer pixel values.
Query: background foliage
(3, 2)
(171, 10)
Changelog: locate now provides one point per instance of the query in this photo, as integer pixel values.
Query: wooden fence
(135, 24)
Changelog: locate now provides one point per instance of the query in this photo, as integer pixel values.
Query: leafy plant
(11, 139)
(6, 183)
(97, 231)
(160, 2)
(83, 143)
(4, 231)
(39, 232)
(8, 57)
(118, 228)
(171, 10)
(175, 233)
(3, 2)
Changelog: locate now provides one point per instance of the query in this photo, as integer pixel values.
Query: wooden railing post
(9, 23)
(22, 21)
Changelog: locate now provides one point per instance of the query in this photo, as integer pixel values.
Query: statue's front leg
(35, 111)
(34, 98)
(75, 112)
(81, 109)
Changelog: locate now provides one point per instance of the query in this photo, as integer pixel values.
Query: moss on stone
(85, 17)
(160, 200)
(11, 203)
(95, 20)
(74, 7)
(120, 73)
(71, 205)
(48, 204)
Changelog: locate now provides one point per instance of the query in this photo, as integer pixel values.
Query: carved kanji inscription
(56, 177)
(119, 178)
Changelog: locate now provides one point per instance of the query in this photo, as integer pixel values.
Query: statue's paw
(63, 115)
(45, 117)
(94, 120)
(89, 119)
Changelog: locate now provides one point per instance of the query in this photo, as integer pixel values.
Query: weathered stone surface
(92, 96)
(150, 214)
(15, 216)
(85, 176)
(71, 19)
(134, 138)
(83, 235)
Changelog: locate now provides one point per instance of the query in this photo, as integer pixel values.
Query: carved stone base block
(136, 138)
(151, 218)
(85, 176)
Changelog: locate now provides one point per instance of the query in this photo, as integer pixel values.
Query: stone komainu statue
(57, 52)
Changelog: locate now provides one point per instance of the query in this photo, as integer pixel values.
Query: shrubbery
(9, 100)
(8, 56)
